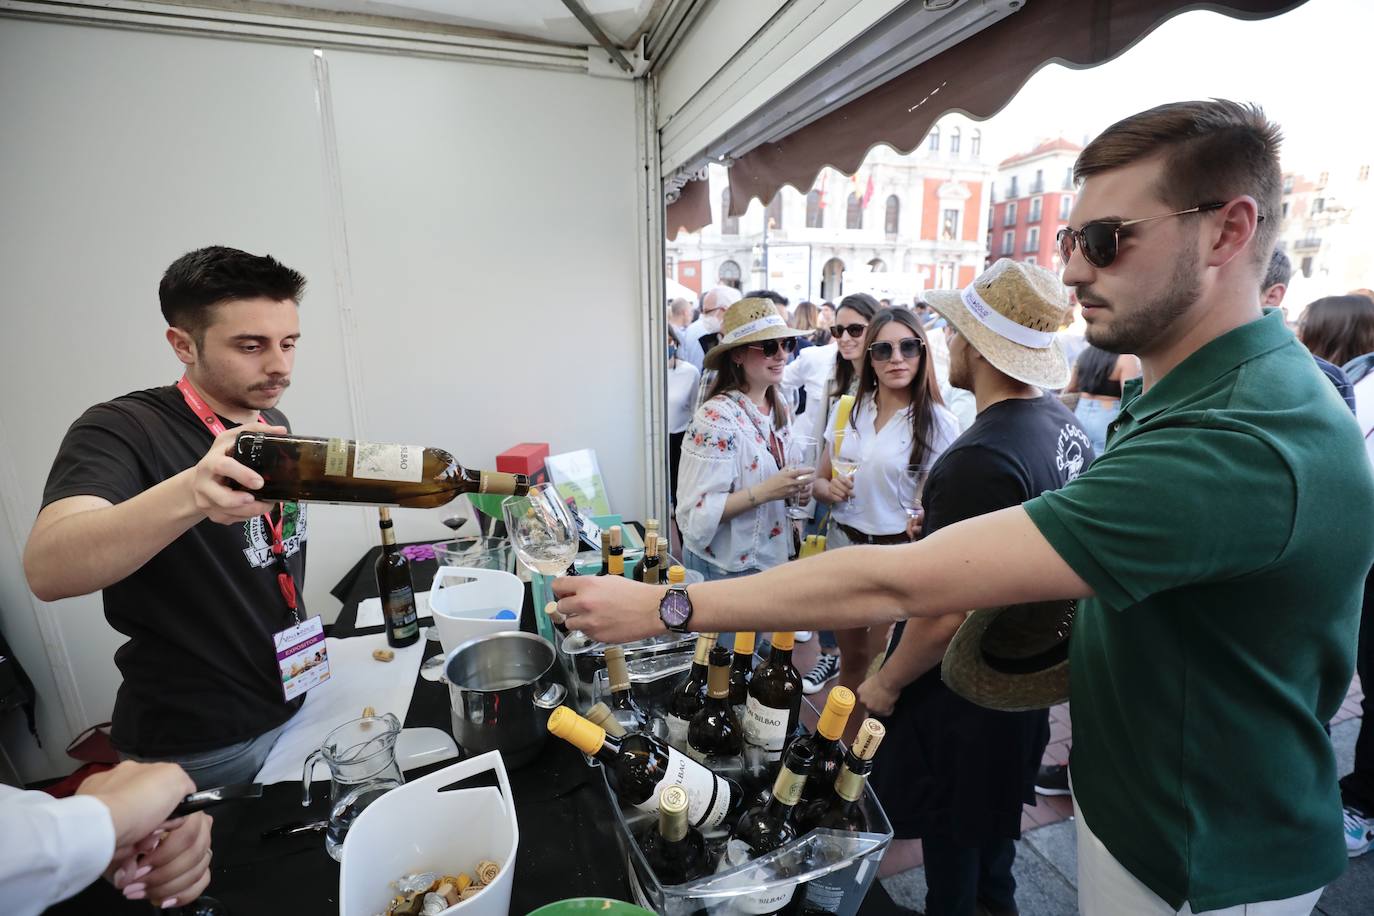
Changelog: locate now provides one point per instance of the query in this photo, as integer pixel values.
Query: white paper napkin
(370, 610)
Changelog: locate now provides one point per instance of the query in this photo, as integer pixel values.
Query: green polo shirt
(1226, 532)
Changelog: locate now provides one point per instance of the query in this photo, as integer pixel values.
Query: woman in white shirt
(683, 377)
(731, 482)
(898, 420)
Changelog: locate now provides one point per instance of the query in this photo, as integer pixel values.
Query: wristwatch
(675, 609)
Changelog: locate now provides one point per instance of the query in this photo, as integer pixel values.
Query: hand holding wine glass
(913, 487)
(802, 455)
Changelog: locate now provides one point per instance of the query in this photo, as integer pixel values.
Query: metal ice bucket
(502, 688)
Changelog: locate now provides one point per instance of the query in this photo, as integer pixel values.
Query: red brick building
(1032, 195)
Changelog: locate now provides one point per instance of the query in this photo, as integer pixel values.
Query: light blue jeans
(712, 572)
(1095, 416)
(223, 766)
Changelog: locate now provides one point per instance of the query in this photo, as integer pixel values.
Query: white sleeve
(50, 848)
(706, 475)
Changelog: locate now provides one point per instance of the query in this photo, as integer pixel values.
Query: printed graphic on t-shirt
(259, 537)
(1071, 452)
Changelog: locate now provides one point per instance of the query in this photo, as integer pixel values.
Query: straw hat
(1012, 658)
(1010, 314)
(749, 321)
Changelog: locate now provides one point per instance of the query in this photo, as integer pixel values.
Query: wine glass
(847, 466)
(802, 454)
(541, 529)
(913, 486)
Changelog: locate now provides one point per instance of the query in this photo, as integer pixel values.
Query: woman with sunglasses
(731, 479)
(898, 420)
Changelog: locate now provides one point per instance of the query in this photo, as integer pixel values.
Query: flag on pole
(868, 192)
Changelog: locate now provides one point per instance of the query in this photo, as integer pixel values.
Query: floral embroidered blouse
(728, 447)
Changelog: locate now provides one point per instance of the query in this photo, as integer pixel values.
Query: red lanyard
(212, 422)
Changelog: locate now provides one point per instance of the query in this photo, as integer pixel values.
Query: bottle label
(400, 612)
(848, 785)
(677, 730)
(737, 854)
(380, 461)
(336, 458)
(708, 796)
(825, 894)
(765, 727)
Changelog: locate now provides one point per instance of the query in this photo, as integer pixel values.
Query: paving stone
(1041, 889)
(1058, 846)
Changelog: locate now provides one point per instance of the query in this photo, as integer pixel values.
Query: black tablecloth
(567, 843)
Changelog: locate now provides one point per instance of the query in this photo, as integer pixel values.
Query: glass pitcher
(362, 767)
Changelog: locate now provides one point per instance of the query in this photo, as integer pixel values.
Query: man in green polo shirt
(1220, 544)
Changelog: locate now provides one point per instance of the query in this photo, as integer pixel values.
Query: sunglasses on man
(855, 330)
(1100, 239)
(770, 348)
(909, 347)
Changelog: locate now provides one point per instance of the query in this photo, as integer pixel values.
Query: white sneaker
(803, 635)
(826, 669)
(1359, 830)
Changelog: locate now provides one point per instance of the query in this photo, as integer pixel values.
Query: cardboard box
(526, 458)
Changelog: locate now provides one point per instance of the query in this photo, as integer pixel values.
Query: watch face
(675, 608)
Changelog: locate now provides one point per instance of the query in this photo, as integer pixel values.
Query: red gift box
(526, 458)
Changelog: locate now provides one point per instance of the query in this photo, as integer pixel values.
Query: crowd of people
(1183, 489)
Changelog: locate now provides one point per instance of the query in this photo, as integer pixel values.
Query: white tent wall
(490, 290)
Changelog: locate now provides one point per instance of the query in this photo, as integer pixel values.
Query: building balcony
(1309, 243)
(1037, 187)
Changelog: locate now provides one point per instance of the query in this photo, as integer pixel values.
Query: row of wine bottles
(653, 569)
(687, 797)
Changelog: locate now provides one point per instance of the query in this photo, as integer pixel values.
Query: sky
(1311, 69)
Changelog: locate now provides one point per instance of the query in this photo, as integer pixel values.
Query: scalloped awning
(1077, 33)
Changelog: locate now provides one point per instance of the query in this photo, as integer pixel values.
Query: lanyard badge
(295, 644)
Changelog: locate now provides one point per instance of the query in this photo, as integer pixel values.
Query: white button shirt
(50, 848)
(883, 457)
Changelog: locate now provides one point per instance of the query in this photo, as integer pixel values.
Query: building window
(1068, 179)
(1364, 173)
(1318, 204)
(975, 144)
(1031, 261)
(945, 273)
(1307, 268)
(1288, 184)
(814, 213)
(832, 277)
(1038, 185)
(1033, 238)
(729, 225)
(1012, 191)
(774, 212)
(1065, 203)
(854, 213)
(935, 139)
(877, 266)
(729, 274)
(1008, 241)
(1035, 210)
(949, 226)
(670, 267)
(890, 218)
(1321, 182)
(954, 142)
(1009, 217)
(1285, 209)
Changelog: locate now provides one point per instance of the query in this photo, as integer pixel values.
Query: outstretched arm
(992, 560)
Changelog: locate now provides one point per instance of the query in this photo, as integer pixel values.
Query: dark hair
(1280, 271)
(866, 306)
(775, 298)
(1338, 328)
(1093, 371)
(1213, 150)
(924, 388)
(730, 377)
(202, 279)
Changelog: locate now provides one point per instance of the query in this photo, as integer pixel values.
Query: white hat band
(758, 324)
(1003, 326)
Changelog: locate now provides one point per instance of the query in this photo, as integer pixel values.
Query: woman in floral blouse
(731, 482)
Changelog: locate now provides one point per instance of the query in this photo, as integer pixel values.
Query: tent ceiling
(977, 76)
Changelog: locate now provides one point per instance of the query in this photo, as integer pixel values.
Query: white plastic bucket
(415, 829)
(462, 610)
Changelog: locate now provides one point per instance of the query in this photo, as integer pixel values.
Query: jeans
(960, 877)
(712, 572)
(828, 640)
(225, 765)
(1095, 416)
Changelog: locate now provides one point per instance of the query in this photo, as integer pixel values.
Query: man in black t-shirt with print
(138, 505)
(953, 773)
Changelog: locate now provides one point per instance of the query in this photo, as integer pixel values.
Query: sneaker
(821, 673)
(803, 635)
(1052, 780)
(1359, 830)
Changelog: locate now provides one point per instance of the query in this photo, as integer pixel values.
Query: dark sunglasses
(909, 347)
(1099, 239)
(770, 348)
(855, 330)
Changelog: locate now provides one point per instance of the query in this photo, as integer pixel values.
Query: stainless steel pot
(502, 688)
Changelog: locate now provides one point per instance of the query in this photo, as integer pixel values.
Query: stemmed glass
(803, 453)
(913, 487)
(541, 529)
(847, 466)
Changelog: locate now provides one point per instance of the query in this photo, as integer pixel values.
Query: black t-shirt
(199, 667)
(956, 769)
